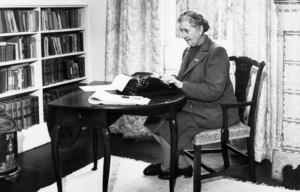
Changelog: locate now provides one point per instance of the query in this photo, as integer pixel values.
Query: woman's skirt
(187, 128)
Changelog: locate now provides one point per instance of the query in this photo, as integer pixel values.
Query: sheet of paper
(97, 88)
(103, 97)
(120, 82)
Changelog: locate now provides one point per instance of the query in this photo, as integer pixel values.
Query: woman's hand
(169, 79)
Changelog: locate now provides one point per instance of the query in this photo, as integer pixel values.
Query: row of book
(7, 52)
(62, 44)
(25, 110)
(13, 21)
(54, 19)
(57, 69)
(17, 48)
(16, 77)
(55, 93)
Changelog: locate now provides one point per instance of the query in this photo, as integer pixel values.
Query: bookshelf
(33, 24)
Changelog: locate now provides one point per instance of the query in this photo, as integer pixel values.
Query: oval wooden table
(67, 115)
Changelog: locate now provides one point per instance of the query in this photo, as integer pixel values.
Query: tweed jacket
(206, 84)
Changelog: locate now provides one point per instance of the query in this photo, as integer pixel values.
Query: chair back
(242, 76)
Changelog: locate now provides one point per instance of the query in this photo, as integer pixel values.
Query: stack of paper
(119, 83)
(103, 97)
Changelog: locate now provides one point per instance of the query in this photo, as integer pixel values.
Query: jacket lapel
(184, 64)
(198, 58)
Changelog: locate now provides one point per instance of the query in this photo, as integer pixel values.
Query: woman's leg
(165, 146)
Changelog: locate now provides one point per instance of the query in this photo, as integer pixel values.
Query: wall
(96, 30)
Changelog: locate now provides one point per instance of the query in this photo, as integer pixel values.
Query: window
(218, 14)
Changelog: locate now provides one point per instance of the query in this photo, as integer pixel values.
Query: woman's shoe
(155, 169)
(186, 172)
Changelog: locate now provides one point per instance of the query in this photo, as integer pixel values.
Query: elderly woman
(204, 79)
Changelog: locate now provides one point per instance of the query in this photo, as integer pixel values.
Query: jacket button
(191, 106)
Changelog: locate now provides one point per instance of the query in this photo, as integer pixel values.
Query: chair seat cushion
(236, 131)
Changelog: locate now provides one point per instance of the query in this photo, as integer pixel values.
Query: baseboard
(33, 137)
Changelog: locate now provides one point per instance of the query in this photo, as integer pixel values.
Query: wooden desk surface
(80, 100)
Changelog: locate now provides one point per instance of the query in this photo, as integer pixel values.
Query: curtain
(251, 27)
(254, 33)
(133, 43)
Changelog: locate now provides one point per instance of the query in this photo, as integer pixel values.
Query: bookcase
(41, 47)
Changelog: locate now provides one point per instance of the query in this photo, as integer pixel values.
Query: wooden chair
(243, 129)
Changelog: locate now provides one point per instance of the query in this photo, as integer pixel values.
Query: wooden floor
(37, 168)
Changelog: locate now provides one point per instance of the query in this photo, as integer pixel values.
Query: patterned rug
(126, 175)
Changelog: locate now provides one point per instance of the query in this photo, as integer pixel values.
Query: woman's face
(192, 35)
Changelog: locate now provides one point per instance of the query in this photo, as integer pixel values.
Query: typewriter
(143, 84)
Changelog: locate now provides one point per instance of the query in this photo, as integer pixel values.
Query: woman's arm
(215, 80)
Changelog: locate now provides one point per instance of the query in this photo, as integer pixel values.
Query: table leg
(174, 153)
(95, 148)
(106, 165)
(55, 156)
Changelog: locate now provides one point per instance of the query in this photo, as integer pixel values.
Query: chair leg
(197, 168)
(250, 146)
(225, 154)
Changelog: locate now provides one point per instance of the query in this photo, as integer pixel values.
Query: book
(2, 81)
(68, 69)
(32, 77)
(25, 78)
(14, 67)
(58, 13)
(10, 80)
(14, 111)
(28, 76)
(29, 111)
(36, 20)
(46, 70)
(81, 66)
(28, 49)
(24, 47)
(20, 20)
(44, 105)
(16, 16)
(34, 109)
(24, 19)
(16, 83)
(43, 22)
(76, 69)
(52, 48)
(55, 71)
(7, 108)
(45, 48)
(20, 79)
(26, 111)
(13, 21)
(17, 111)
(49, 16)
(68, 40)
(80, 42)
(54, 20)
(7, 21)
(32, 47)
(1, 23)
(5, 81)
